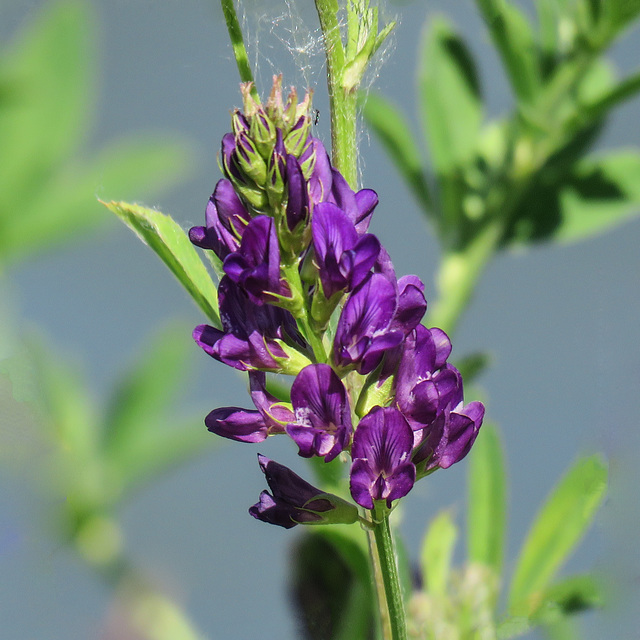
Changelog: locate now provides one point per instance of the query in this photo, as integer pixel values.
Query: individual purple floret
(364, 330)
(322, 425)
(294, 501)
(343, 258)
(381, 452)
(253, 336)
(449, 437)
(424, 382)
(256, 264)
(248, 425)
(226, 219)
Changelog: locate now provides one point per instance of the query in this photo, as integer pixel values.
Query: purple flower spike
(363, 333)
(295, 501)
(343, 258)
(256, 265)
(381, 452)
(226, 219)
(322, 424)
(248, 425)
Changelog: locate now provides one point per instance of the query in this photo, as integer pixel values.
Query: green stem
(237, 43)
(395, 629)
(458, 275)
(342, 103)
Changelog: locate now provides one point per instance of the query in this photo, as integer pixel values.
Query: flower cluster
(309, 293)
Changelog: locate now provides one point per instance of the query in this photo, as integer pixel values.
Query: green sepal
(296, 139)
(342, 512)
(253, 166)
(263, 133)
(374, 394)
(293, 363)
(321, 307)
(557, 530)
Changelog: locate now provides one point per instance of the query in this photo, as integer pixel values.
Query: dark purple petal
(381, 452)
(291, 493)
(343, 259)
(321, 176)
(274, 412)
(248, 339)
(366, 201)
(411, 304)
(322, 424)
(256, 265)
(226, 219)
(363, 333)
(238, 424)
(298, 198)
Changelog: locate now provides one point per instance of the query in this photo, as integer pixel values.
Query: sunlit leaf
(557, 529)
(437, 553)
(172, 245)
(487, 507)
(450, 96)
(399, 141)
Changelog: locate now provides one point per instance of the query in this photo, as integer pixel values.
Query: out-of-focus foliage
(528, 177)
(48, 181)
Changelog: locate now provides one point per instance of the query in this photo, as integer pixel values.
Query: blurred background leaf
(48, 183)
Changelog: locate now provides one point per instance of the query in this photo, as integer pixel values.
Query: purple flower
(364, 330)
(322, 425)
(226, 219)
(248, 425)
(252, 335)
(381, 452)
(294, 501)
(256, 265)
(424, 382)
(449, 437)
(344, 259)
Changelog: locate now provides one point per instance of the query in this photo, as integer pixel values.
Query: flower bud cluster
(308, 292)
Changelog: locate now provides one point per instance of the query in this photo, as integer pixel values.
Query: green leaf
(64, 204)
(487, 500)
(143, 396)
(600, 193)
(618, 14)
(437, 553)
(558, 528)
(568, 597)
(603, 193)
(450, 97)
(172, 245)
(515, 42)
(472, 366)
(395, 135)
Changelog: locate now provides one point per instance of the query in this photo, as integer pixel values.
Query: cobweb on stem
(283, 36)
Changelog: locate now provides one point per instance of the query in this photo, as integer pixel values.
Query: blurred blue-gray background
(560, 322)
